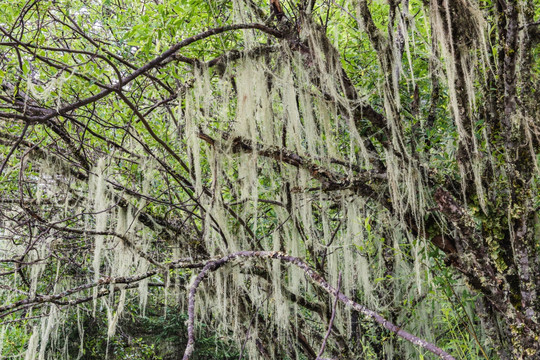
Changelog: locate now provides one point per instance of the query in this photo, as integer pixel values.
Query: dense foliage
(286, 179)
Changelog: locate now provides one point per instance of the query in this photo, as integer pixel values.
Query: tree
(286, 173)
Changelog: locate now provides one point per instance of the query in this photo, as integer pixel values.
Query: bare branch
(323, 345)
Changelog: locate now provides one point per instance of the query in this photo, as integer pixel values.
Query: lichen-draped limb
(215, 265)
(330, 180)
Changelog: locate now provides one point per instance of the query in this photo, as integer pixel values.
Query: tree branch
(142, 70)
(321, 351)
(317, 279)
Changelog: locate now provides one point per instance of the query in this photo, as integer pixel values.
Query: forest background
(295, 179)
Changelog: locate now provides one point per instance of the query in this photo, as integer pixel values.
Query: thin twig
(321, 351)
(15, 146)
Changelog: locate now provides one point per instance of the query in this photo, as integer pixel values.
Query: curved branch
(318, 280)
(143, 69)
